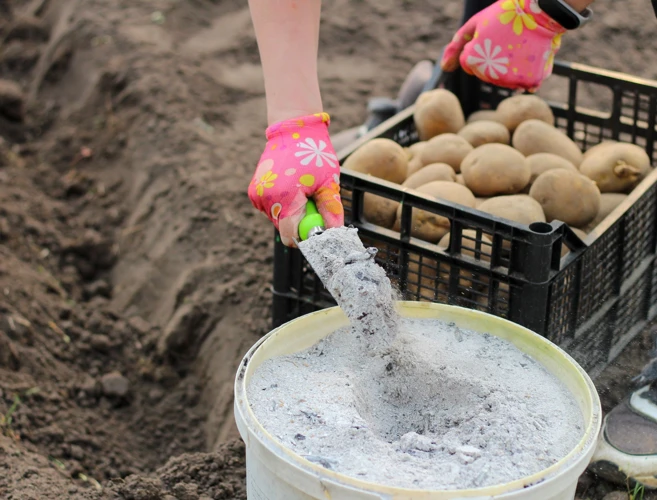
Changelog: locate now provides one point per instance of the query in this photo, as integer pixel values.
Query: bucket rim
(585, 445)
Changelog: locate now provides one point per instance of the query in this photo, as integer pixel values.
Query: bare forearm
(287, 32)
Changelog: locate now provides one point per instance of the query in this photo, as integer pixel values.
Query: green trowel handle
(312, 220)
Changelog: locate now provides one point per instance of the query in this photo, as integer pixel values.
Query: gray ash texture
(461, 410)
(358, 284)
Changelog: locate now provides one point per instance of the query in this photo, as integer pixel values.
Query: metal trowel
(338, 247)
(350, 274)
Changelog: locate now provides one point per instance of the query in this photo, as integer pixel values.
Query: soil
(134, 273)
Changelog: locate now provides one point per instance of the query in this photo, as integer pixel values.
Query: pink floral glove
(298, 162)
(510, 44)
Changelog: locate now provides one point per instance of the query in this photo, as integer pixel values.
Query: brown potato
(567, 196)
(414, 165)
(516, 109)
(582, 236)
(485, 115)
(520, 208)
(598, 147)
(431, 227)
(494, 169)
(381, 158)
(430, 173)
(479, 201)
(460, 179)
(542, 162)
(470, 249)
(608, 203)
(422, 278)
(501, 296)
(379, 210)
(415, 148)
(617, 168)
(437, 112)
(446, 148)
(536, 136)
(485, 132)
(579, 232)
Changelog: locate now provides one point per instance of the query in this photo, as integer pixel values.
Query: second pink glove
(510, 44)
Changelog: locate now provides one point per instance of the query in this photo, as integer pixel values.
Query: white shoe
(627, 446)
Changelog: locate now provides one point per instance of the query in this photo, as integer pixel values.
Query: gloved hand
(298, 162)
(510, 44)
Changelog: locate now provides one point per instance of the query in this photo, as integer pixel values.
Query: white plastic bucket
(274, 472)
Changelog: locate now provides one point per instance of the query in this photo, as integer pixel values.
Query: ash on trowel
(476, 411)
(357, 283)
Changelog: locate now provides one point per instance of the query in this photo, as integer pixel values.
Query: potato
(429, 226)
(479, 201)
(542, 162)
(430, 173)
(608, 203)
(520, 208)
(567, 196)
(381, 158)
(485, 132)
(460, 180)
(582, 236)
(446, 148)
(579, 232)
(536, 136)
(414, 165)
(617, 167)
(415, 148)
(424, 275)
(379, 210)
(597, 148)
(437, 112)
(471, 249)
(494, 169)
(484, 114)
(516, 109)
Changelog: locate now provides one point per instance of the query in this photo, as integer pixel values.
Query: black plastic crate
(591, 302)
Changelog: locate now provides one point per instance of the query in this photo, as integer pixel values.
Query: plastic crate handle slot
(312, 223)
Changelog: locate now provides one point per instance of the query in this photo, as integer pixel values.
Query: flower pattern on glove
(487, 60)
(312, 151)
(298, 162)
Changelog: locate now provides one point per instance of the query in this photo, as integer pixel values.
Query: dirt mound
(134, 273)
(219, 475)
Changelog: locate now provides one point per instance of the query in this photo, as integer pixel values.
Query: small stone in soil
(155, 394)
(115, 385)
(616, 495)
(76, 452)
(89, 385)
(139, 325)
(101, 343)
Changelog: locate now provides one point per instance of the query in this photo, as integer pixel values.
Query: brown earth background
(134, 273)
